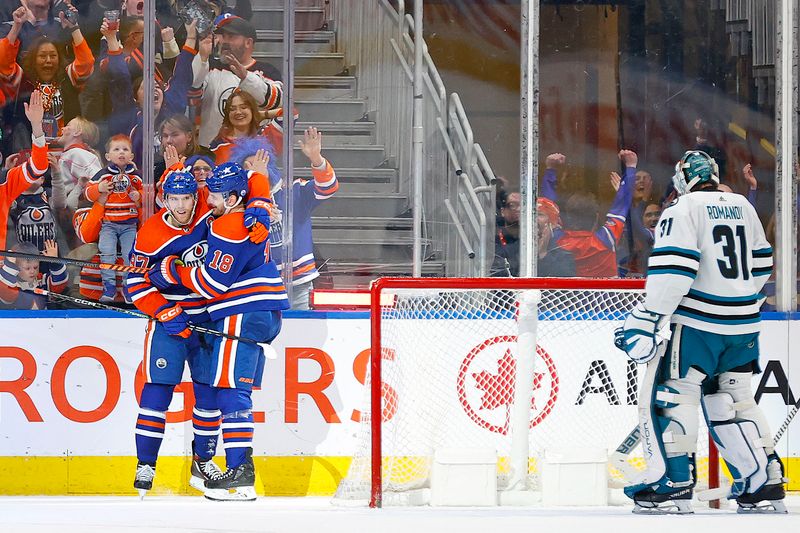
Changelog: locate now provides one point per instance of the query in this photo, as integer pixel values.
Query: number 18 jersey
(709, 262)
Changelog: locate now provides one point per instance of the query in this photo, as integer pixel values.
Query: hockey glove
(637, 337)
(256, 218)
(164, 274)
(175, 321)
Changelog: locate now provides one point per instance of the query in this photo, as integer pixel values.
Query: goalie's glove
(175, 321)
(164, 274)
(637, 337)
(256, 219)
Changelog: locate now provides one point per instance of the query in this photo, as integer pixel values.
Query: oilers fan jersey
(157, 239)
(709, 262)
(236, 276)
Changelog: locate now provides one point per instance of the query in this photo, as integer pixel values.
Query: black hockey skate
(766, 500)
(144, 478)
(235, 484)
(769, 498)
(648, 501)
(203, 471)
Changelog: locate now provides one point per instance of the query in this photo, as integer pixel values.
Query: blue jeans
(112, 234)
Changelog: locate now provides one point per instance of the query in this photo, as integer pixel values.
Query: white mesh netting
(449, 360)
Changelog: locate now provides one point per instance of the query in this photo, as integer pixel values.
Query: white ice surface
(316, 515)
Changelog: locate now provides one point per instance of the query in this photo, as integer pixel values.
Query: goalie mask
(694, 169)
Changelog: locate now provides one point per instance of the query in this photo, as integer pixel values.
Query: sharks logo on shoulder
(196, 255)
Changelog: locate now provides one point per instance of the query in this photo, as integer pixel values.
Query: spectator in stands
(752, 184)
(123, 184)
(87, 223)
(43, 70)
(34, 220)
(128, 96)
(708, 141)
(241, 118)
(237, 68)
(79, 161)
(42, 19)
(18, 278)
(255, 153)
(593, 248)
(643, 242)
(506, 241)
(178, 132)
(553, 261)
(133, 8)
(19, 178)
(635, 236)
(201, 167)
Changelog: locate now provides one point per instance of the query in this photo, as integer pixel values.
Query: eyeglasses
(201, 170)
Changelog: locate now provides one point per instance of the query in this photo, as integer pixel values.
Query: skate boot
(769, 498)
(144, 478)
(203, 471)
(236, 483)
(678, 501)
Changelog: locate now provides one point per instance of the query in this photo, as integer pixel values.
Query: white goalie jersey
(710, 260)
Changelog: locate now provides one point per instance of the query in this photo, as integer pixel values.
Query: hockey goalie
(709, 262)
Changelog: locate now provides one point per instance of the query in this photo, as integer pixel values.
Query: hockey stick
(269, 351)
(619, 459)
(786, 422)
(723, 492)
(77, 262)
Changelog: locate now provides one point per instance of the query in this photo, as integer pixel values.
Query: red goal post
(439, 319)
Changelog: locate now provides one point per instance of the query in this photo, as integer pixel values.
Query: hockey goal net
(450, 351)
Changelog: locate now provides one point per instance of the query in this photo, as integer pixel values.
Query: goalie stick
(76, 262)
(269, 351)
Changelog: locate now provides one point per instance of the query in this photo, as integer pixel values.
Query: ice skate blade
(671, 507)
(142, 494)
(197, 483)
(245, 494)
(767, 507)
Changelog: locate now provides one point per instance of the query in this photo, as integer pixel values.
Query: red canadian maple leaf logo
(498, 389)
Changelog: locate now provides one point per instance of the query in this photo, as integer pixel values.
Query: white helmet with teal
(695, 168)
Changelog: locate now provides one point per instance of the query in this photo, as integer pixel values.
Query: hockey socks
(151, 421)
(237, 424)
(205, 421)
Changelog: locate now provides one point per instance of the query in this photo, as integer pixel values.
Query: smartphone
(201, 13)
(70, 15)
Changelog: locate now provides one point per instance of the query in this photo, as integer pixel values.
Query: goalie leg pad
(669, 425)
(744, 439)
(740, 445)
(738, 386)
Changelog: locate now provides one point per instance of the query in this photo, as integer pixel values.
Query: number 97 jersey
(709, 262)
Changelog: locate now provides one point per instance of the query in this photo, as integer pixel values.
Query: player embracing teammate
(234, 289)
(709, 262)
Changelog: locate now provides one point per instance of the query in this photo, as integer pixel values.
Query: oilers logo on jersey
(121, 183)
(196, 255)
(33, 219)
(276, 228)
(223, 99)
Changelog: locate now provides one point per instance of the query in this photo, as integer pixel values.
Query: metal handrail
(457, 174)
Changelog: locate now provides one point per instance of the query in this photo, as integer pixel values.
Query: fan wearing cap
(217, 79)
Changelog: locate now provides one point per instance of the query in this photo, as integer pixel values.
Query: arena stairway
(365, 230)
